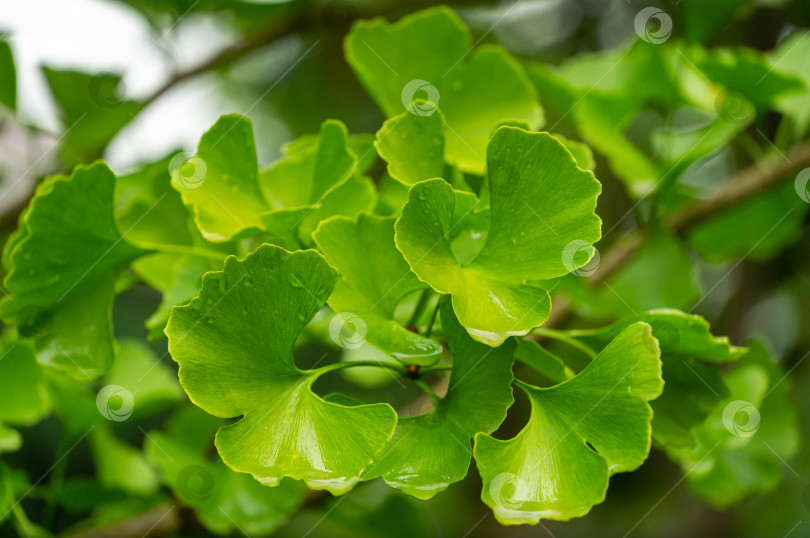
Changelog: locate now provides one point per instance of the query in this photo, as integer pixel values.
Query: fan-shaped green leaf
(224, 500)
(92, 109)
(374, 278)
(315, 179)
(431, 451)
(234, 345)
(429, 53)
(63, 265)
(541, 203)
(413, 146)
(579, 433)
(693, 388)
(221, 183)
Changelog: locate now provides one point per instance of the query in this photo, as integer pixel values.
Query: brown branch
(749, 182)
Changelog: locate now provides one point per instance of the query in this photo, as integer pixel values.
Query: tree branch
(749, 182)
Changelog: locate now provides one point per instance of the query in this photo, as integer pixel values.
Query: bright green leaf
(431, 451)
(234, 345)
(541, 204)
(221, 182)
(315, 179)
(225, 501)
(63, 266)
(426, 56)
(413, 146)
(693, 385)
(580, 432)
(374, 278)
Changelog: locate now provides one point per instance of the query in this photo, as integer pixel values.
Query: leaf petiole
(192, 251)
(565, 338)
(349, 364)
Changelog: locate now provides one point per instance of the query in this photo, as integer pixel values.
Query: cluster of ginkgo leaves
(440, 270)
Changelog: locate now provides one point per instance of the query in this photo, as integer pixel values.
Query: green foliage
(541, 203)
(341, 322)
(422, 62)
(580, 432)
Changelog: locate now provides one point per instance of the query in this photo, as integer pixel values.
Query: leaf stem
(427, 389)
(437, 368)
(563, 337)
(420, 307)
(350, 364)
(192, 251)
(429, 330)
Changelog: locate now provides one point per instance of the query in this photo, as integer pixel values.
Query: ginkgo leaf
(177, 277)
(149, 208)
(743, 446)
(426, 56)
(413, 146)
(221, 182)
(63, 265)
(234, 345)
(689, 351)
(431, 451)
(225, 501)
(92, 112)
(580, 432)
(541, 203)
(315, 179)
(374, 278)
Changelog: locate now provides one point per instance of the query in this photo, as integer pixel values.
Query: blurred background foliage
(683, 113)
